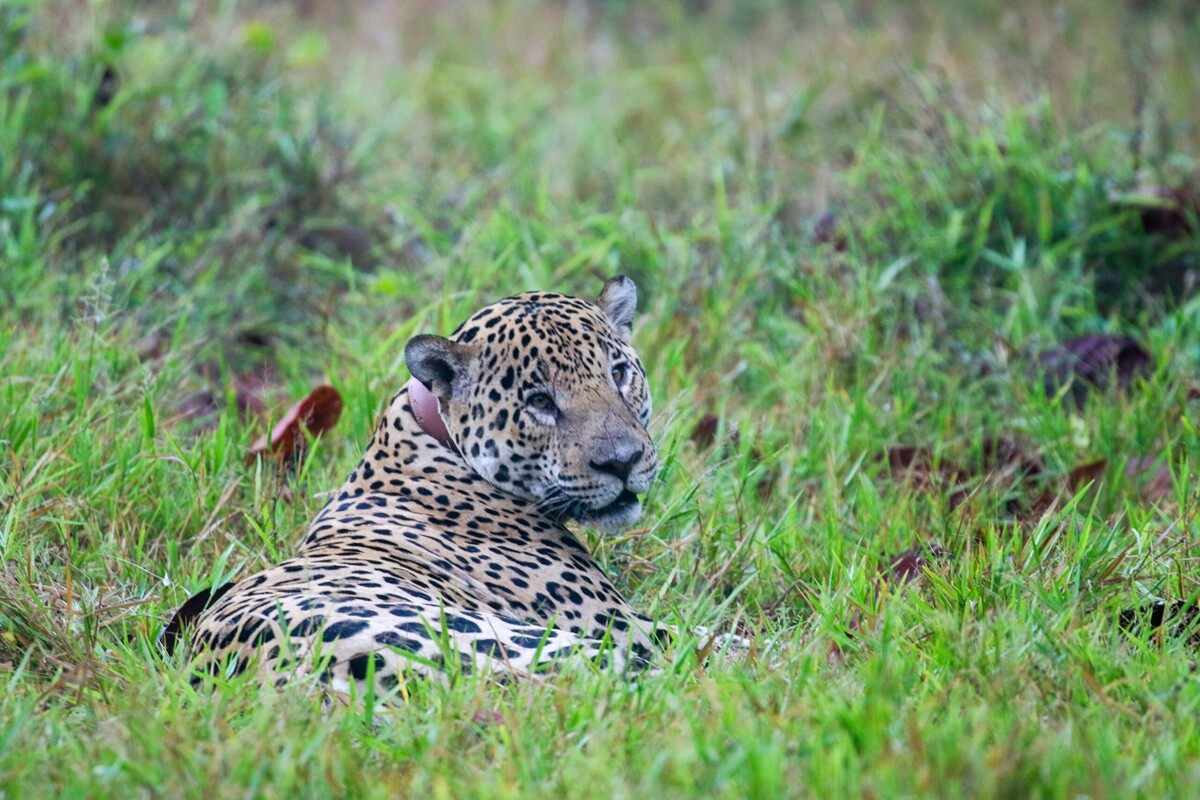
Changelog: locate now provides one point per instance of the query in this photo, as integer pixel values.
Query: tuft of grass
(854, 228)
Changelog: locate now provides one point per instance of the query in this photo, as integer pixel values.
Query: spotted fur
(434, 553)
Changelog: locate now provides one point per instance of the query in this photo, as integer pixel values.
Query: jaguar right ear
(439, 363)
(618, 301)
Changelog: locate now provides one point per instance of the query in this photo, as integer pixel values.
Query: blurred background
(285, 153)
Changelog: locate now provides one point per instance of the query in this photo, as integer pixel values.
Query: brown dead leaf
(1003, 453)
(765, 488)
(921, 467)
(1000, 461)
(902, 569)
(251, 392)
(1168, 212)
(341, 240)
(315, 414)
(704, 435)
(1093, 362)
(1081, 476)
(488, 718)
(1067, 486)
(904, 459)
(1151, 476)
(1160, 487)
(152, 347)
(828, 230)
(204, 408)
(910, 564)
(1154, 476)
(200, 408)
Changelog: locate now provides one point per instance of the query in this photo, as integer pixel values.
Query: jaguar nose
(619, 464)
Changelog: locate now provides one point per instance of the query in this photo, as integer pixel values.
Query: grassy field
(860, 231)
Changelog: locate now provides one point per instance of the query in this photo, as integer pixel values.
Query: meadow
(917, 306)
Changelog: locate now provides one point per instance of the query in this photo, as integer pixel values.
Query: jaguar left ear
(439, 363)
(618, 301)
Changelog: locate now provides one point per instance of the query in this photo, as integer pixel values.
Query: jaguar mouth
(623, 511)
(620, 512)
(625, 501)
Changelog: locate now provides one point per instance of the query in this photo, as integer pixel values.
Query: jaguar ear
(618, 301)
(439, 363)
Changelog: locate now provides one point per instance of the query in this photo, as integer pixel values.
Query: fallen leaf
(197, 407)
(1154, 475)
(921, 466)
(910, 565)
(315, 414)
(1161, 486)
(249, 401)
(1168, 212)
(1151, 474)
(343, 241)
(255, 338)
(828, 230)
(1081, 476)
(1092, 362)
(1001, 453)
(765, 488)
(250, 393)
(152, 347)
(704, 435)
(902, 569)
(1067, 486)
(1000, 461)
(918, 467)
(488, 718)
(204, 407)
(905, 458)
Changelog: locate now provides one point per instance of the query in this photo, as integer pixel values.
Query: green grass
(287, 196)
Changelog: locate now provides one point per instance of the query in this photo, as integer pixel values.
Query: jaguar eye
(619, 373)
(540, 401)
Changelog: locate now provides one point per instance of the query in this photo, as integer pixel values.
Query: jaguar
(447, 548)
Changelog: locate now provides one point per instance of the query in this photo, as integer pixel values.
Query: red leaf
(316, 414)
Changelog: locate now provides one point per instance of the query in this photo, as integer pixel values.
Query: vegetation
(868, 240)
